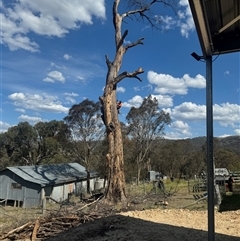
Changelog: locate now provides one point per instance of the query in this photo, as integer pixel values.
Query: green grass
(147, 187)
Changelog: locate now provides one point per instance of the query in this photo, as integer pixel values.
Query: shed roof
(51, 174)
(217, 24)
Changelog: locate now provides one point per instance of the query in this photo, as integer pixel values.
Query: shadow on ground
(123, 228)
(230, 202)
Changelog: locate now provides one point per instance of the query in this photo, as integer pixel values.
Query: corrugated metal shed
(30, 185)
(50, 174)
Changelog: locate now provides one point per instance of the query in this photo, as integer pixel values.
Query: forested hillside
(52, 142)
(230, 142)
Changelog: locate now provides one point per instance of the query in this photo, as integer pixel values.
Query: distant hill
(198, 142)
(230, 142)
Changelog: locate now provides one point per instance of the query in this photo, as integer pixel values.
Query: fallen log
(55, 223)
(73, 218)
(35, 230)
(89, 204)
(16, 230)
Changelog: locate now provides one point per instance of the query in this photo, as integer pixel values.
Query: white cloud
(47, 79)
(4, 126)
(70, 100)
(188, 111)
(237, 131)
(30, 119)
(224, 136)
(67, 57)
(36, 102)
(167, 84)
(227, 114)
(71, 94)
(167, 22)
(198, 82)
(54, 75)
(56, 66)
(164, 100)
(126, 42)
(136, 101)
(227, 72)
(17, 96)
(20, 110)
(83, 80)
(181, 127)
(186, 22)
(13, 35)
(121, 89)
(48, 18)
(136, 88)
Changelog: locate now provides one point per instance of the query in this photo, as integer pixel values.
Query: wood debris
(52, 224)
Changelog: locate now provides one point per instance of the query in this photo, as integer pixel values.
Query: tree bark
(116, 189)
(138, 171)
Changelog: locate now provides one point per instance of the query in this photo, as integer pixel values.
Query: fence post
(44, 205)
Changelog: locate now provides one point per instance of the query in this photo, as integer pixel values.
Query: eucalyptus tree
(49, 146)
(86, 127)
(226, 158)
(5, 151)
(146, 124)
(195, 163)
(21, 144)
(116, 191)
(181, 154)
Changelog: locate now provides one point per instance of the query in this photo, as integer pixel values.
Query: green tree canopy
(145, 125)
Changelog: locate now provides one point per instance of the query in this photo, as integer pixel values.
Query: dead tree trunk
(116, 191)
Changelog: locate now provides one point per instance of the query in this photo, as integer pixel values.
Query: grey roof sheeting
(51, 174)
(217, 24)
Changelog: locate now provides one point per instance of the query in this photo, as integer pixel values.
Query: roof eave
(200, 20)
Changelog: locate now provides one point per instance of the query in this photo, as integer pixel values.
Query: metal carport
(218, 27)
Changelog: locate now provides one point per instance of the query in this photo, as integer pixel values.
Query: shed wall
(15, 188)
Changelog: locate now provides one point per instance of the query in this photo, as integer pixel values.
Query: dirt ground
(182, 219)
(148, 219)
(156, 224)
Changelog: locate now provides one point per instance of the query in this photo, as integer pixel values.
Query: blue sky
(53, 56)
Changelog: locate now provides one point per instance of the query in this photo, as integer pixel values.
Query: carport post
(210, 160)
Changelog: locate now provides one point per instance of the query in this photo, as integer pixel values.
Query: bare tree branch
(109, 63)
(115, 12)
(117, 22)
(25, 159)
(122, 39)
(125, 74)
(145, 7)
(139, 41)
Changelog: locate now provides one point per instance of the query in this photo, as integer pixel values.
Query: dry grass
(12, 217)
